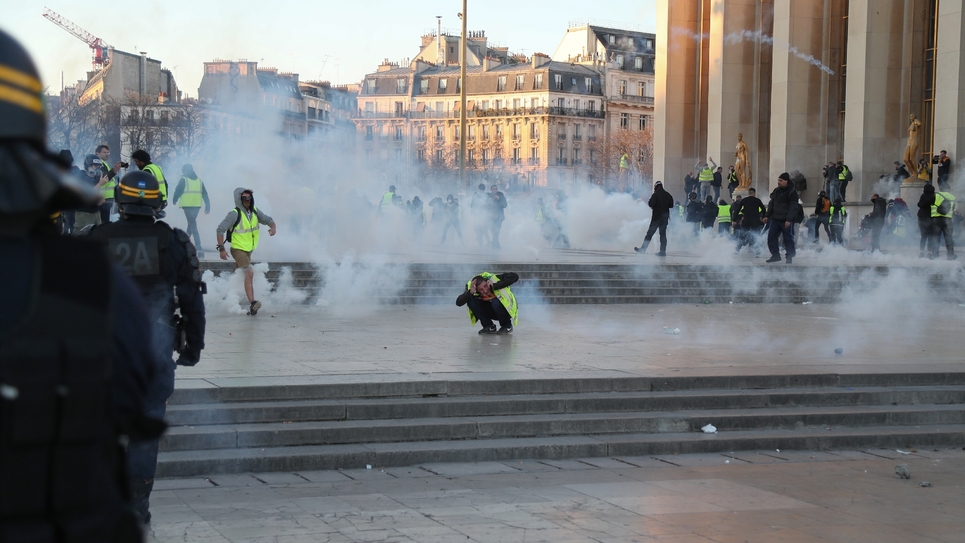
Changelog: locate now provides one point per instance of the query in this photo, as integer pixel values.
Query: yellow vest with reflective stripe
(624, 163)
(939, 198)
(843, 174)
(108, 188)
(161, 183)
(706, 175)
(191, 197)
(387, 200)
(505, 295)
(245, 236)
(841, 216)
(723, 213)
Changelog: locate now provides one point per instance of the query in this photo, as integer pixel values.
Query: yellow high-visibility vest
(939, 198)
(505, 296)
(245, 236)
(191, 197)
(723, 213)
(161, 183)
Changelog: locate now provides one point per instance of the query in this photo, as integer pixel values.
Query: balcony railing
(577, 137)
(534, 161)
(381, 115)
(634, 98)
(561, 137)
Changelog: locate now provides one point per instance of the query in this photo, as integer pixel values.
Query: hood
(238, 192)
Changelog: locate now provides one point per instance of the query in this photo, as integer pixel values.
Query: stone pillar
(676, 97)
(799, 93)
(876, 111)
(733, 82)
(949, 82)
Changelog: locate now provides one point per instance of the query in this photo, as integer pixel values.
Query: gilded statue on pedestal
(911, 150)
(742, 167)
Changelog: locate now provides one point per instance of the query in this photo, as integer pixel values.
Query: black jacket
(783, 204)
(717, 180)
(661, 202)
(881, 208)
(695, 211)
(709, 214)
(924, 205)
(505, 279)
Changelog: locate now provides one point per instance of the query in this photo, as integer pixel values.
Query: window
(620, 61)
(558, 81)
(455, 132)
(643, 122)
(591, 105)
(439, 156)
(400, 85)
(592, 157)
(421, 155)
(424, 86)
(516, 156)
(398, 133)
(516, 131)
(534, 103)
(516, 103)
(471, 132)
(560, 103)
(520, 81)
(485, 157)
(422, 133)
(611, 39)
(485, 132)
(638, 63)
(439, 133)
(538, 81)
(399, 109)
(561, 131)
(561, 158)
(499, 131)
(368, 133)
(501, 83)
(592, 133)
(442, 84)
(577, 131)
(589, 84)
(534, 155)
(623, 87)
(534, 131)
(624, 121)
(497, 104)
(369, 86)
(576, 156)
(485, 105)
(458, 83)
(471, 156)
(440, 106)
(641, 89)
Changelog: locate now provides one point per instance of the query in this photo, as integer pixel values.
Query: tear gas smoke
(756, 36)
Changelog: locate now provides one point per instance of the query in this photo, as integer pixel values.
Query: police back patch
(136, 256)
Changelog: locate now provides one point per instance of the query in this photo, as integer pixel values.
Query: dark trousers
(837, 233)
(775, 229)
(497, 226)
(924, 228)
(454, 224)
(716, 194)
(941, 226)
(142, 455)
(747, 234)
(723, 229)
(658, 223)
(822, 220)
(191, 214)
(68, 221)
(485, 311)
(876, 227)
(105, 210)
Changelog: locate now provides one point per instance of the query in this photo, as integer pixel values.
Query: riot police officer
(74, 366)
(162, 262)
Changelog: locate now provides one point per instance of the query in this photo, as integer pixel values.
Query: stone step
(253, 412)
(353, 388)
(284, 434)
(379, 455)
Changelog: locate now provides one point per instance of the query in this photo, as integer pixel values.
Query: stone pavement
(763, 496)
(303, 345)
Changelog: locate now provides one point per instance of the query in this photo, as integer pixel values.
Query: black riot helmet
(138, 194)
(32, 182)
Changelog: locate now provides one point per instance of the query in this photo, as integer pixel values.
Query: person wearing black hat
(661, 202)
(782, 213)
(877, 220)
(143, 162)
(76, 361)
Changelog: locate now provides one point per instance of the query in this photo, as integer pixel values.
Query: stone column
(733, 81)
(676, 99)
(876, 110)
(949, 83)
(799, 93)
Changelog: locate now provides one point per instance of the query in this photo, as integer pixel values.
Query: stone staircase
(383, 424)
(625, 284)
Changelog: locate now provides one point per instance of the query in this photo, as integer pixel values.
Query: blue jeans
(775, 229)
(487, 310)
(705, 190)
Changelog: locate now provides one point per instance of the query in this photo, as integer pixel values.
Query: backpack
(825, 205)
(945, 207)
(798, 214)
(227, 235)
(848, 177)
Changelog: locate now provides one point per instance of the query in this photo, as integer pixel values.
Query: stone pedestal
(743, 193)
(911, 191)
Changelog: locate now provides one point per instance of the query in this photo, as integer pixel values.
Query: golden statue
(742, 167)
(911, 150)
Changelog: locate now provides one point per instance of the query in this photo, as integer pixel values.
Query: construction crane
(97, 45)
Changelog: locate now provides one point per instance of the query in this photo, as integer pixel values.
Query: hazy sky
(354, 37)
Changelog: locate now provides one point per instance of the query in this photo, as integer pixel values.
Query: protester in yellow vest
(489, 297)
(143, 162)
(103, 152)
(723, 218)
(240, 229)
(942, 216)
(189, 194)
(705, 178)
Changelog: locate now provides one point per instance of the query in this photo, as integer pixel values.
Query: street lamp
(462, 100)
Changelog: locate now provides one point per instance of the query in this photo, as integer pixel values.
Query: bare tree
(636, 144)
(74, 126)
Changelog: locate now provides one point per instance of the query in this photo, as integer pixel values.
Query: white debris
(902, 471)
(669, 330)
(805, 303)
(709, 429)
(901, 452)
(368, 466)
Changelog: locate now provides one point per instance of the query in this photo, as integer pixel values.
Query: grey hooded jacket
(232, 215)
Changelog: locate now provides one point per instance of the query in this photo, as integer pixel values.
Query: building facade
(807, 82)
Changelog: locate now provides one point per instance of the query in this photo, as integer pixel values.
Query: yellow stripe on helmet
(139, 193)
(21, 99)
(21, 79)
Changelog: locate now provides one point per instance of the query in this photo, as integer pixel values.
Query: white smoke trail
(758, 37)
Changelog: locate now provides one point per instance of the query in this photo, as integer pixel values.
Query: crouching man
(489, 297)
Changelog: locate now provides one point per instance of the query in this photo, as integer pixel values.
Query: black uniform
(162, 261)
(73, 376)
(661, 202)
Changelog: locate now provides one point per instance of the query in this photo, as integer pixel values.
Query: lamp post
(462, 100)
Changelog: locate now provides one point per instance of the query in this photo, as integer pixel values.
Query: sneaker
(788, 259)
(952, 256)
(774, 258)
(640, 250)
(505, 330)
(490, 330)
(254, 307)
